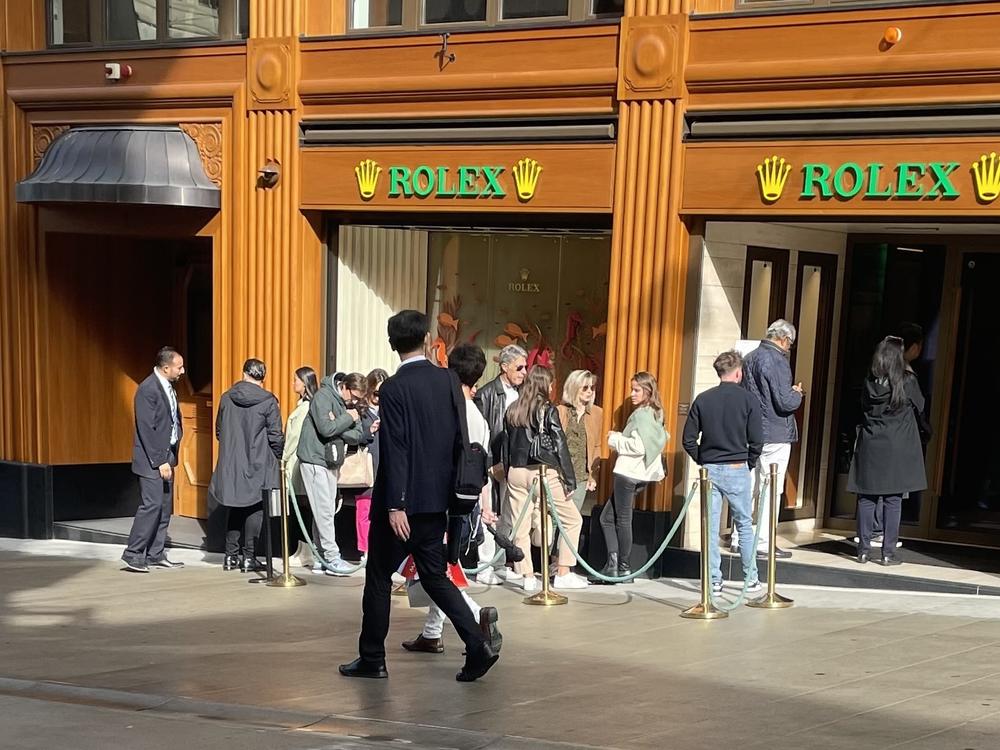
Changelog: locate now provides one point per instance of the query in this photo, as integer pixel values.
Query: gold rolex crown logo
(367, 173)
(986, 174)
(525, 273)
(772, 174)
(526, 173)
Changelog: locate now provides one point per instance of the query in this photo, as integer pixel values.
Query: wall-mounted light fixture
(270, 174)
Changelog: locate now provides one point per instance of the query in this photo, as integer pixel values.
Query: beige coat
(293, 429)
(592, 421)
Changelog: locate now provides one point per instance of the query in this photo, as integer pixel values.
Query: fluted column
(649, 246)
(276, 266)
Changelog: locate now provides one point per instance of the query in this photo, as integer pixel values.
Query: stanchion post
(705, 610)
(544, 597)
(286, 580)
(772, 600)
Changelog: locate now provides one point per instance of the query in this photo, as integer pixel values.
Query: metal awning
(153, 165)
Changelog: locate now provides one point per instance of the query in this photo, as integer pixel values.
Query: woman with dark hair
(888, 455)
(639, 447)
(369, 429)
(533, 437)
(304, 383)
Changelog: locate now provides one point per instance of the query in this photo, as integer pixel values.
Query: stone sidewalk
(94, 648)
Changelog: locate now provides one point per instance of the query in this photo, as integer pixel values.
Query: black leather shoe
(624, 569)
(425, 645)
(232, 562)
(361, 668)
(165, 563)
(863, 557)
(610, 569)
(478, 663)
(891, 560)
(252, 565)
(488, 617)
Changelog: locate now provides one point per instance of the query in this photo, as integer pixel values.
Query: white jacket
(631, 461)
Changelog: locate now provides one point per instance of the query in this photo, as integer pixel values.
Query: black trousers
(892, 507)
(149, 527)
(385, 554)
(616, 518)
(243, 526)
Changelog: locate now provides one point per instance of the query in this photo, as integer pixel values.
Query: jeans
(733, 481)
(616, 518)
(892, 507)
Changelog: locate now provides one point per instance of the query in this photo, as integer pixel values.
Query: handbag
(542, 449)
(358, 470)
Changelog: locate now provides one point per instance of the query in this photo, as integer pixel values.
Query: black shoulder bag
(542, 449)
(471, 467)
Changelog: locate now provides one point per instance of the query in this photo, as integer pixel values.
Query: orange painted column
(649, 247)
(276, 263)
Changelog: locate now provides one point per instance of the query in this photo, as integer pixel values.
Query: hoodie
(328, 420)
(248, 428)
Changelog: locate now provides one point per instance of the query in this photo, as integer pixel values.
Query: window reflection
(368, 14)
(70, 22)
(454, 11)
(535, 8)
(193, 18)
(131, 20)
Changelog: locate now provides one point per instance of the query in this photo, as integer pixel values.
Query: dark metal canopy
(155, 165)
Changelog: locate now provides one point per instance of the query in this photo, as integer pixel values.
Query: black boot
(610, 569)
(252, 565)
(231, 562)
(624, 569)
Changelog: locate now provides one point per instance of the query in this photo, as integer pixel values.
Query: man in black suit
(158, 433)
(419, 439)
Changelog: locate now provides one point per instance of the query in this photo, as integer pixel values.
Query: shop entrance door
(970, 492)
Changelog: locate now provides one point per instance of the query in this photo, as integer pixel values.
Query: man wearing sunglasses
(493, 400)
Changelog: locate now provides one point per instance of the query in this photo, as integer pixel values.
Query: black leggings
(616, 518)
(245, 523)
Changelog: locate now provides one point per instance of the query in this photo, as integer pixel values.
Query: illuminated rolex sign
(879, 181)
(469, 182)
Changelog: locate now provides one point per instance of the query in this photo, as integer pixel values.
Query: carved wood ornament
(41, 138)
(208, 137)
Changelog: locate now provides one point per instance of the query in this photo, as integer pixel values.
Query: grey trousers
(321, 487)
(149, 528)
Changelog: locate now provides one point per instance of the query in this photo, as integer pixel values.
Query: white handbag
(357, 471)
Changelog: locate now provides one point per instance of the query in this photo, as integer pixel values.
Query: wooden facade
(244, 102)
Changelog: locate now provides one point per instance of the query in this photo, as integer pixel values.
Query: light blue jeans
(733, 481)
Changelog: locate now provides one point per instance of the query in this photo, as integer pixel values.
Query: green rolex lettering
(856, 181)
(423, 181)
(874, 175)
(942, 186)
(468, 182)
(444, 191)
(908, 179)
(816, 176)
(492, 189)
(399, 182)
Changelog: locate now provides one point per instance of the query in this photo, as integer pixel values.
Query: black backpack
(471, 466)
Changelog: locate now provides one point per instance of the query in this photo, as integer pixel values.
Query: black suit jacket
(419, 440)
(151, 444)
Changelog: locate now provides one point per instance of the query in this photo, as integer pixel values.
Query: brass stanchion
(286, 580)
(772, 600)
(544, 597)
(705, 610)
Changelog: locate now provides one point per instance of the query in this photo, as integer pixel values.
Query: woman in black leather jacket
(534, 415)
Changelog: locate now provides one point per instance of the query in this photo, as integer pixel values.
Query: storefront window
(609, 7)
(131, 20)
(193, 18)
(368, 14)
(513, 9)
(454, 11)
(70, 22)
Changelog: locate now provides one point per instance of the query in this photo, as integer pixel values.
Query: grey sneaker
(339, 568)
(754, 587)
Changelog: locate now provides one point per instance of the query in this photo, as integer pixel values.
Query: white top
(509, 393)
(293, 431)
(631, 461)
(171, 395)
(479, 432)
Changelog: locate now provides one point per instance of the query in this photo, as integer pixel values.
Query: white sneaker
(513, 576)
(570, 581)
(753, 587)
(531, 585)
(339, 568)
(488, 577)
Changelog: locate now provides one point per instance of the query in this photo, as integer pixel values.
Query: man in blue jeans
(724, 434)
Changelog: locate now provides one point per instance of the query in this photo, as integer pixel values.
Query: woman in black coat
(248, 428)
(888, 455)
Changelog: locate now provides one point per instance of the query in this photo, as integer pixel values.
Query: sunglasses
(586, 387)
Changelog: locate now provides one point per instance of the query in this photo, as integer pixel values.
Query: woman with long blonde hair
(533, 438)
(639, 447)
(581, 421)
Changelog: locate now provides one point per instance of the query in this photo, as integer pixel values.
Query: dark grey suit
(151, 449)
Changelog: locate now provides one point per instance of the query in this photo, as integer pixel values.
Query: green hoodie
(318, 429)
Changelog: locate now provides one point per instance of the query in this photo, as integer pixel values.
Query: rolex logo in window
(524, 286)
(526, 173)
(367, 173)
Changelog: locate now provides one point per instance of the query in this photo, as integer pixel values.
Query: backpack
(471, 470)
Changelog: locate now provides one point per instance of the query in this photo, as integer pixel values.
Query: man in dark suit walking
(419, 439)
(158, 433)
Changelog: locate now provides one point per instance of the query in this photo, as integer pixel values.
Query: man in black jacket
(767, 374)
(723, 433)
(493, 400)
(248, 428)
(419, 439)
(158, 433)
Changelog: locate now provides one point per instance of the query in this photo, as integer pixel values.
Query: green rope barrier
(564, 538)
(294, 502)
(500, 555)
(746, 573)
